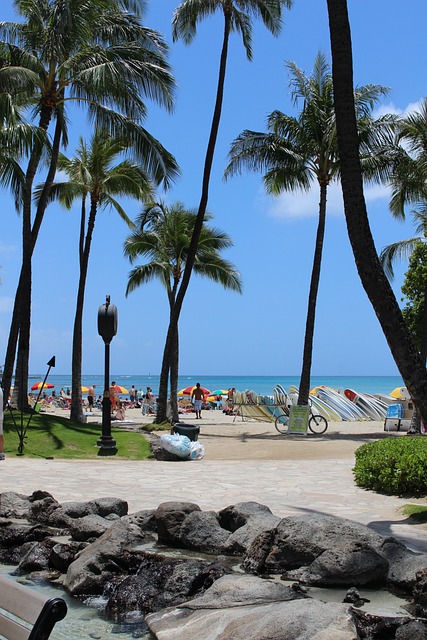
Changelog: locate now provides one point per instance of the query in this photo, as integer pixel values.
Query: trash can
(188, 430)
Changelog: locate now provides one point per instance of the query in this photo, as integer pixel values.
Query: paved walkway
(288, 487)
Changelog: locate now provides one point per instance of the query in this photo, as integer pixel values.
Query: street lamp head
(107, 321)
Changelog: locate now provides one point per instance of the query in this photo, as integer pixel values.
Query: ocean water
(263, 385)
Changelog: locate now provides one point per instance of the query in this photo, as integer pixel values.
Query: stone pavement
(288, 487)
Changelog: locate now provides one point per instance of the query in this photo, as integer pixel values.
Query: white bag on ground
(177, 444)
(197, 451)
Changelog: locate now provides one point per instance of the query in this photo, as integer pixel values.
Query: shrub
(396, 466)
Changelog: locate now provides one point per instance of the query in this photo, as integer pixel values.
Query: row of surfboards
(333, 405)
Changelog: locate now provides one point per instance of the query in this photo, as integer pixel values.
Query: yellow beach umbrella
(400, 393)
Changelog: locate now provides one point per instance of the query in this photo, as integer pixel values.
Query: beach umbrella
(400, 393)
(39, 385)
(219, 392)
(120, 389)
(189, 390)
(85, 389)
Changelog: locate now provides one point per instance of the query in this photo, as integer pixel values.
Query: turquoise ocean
(263, 385)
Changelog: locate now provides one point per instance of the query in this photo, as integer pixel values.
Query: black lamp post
(107, 329)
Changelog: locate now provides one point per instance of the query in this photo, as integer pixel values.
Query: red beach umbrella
(120, 389)
(39, 385)
(189, 390)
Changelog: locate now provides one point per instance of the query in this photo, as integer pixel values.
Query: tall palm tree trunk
(174, 369)
(176, 310)
(304, 387)
(15, 321)
(368, 265)
(76, 412)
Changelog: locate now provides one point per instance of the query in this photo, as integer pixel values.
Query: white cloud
(289, 206)
(391, 108)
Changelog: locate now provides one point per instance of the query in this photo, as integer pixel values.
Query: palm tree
(98, 55)
(409, 187)
(165, 244)
(238, 16)
(368, 265)
(299, 150)
(94, 175)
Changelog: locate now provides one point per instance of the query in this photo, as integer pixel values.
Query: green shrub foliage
(395, 466)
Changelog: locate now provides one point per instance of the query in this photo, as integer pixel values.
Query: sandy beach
(231, 438)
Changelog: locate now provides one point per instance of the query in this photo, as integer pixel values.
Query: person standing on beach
(197, 399)
(113, 397)
(91, 396)
(132, 396)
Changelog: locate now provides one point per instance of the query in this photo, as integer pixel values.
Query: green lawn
(50, 436)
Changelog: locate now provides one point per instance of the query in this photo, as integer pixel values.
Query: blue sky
(260, 332)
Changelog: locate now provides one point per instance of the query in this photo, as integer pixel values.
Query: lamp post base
(106, 442)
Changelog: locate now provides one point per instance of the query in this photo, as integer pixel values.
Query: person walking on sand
(197, 399)
(91, 396)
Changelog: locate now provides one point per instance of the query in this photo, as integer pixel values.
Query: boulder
(36, 557)
(14, 505)
(201, 531)
(413, 630)
(299, 540)
(349, 563)
(64, 553)
(159, 582)
(404, 564)
(145, 520)
(100, 561)
(169, 517)
(242, 607)
(89, 527)
(245, 521)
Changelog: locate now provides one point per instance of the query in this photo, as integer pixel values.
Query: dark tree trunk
(176, 310)
(304, 386)
(76, 412)
(368, 265)
(19, 296)
(174, 379)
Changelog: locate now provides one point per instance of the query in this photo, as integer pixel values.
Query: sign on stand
(298, 419)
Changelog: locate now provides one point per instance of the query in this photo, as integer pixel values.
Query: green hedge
(395, 466)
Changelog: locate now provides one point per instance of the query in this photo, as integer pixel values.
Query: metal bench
(26, 614)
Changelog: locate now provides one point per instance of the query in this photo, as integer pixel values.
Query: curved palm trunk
(174, 379)
(76, 412)
(21, 295)
(368, 265)
(304, 387)
(176, 310)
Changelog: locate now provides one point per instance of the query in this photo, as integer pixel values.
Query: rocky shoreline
(222, 579)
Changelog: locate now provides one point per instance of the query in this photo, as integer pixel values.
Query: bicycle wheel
(281, 423)
(317, 424)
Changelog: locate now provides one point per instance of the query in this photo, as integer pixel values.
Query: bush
(395, 466)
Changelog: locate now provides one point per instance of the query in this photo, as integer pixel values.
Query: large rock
(101, 561)
(299, 540)
(169, 517)
(350, 563)
(201, 531)
(14, 505)
(160, 582)
(242, 607)
(245, 521)
(101, 507)
(88, 527)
